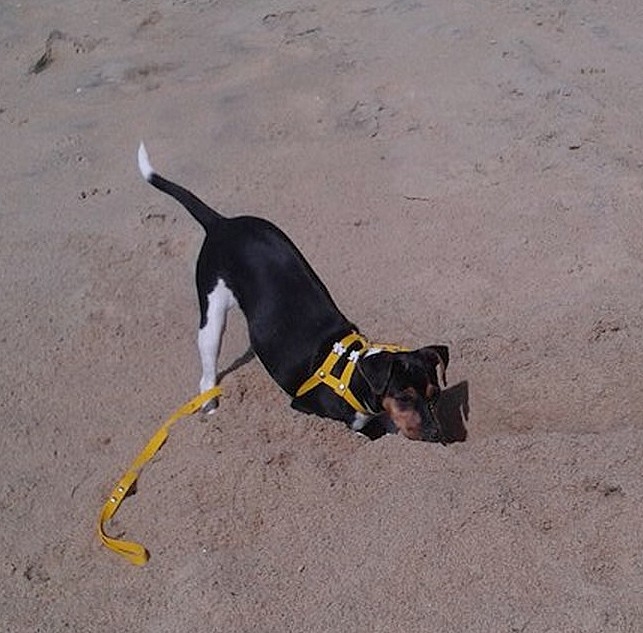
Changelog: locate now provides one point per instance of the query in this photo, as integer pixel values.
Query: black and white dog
(305, 343)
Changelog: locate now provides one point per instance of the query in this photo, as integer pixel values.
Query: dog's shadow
(237, 363)
(453, 412)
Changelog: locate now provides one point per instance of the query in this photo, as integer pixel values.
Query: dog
(306, 344)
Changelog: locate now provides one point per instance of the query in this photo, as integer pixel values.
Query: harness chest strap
(341, 385)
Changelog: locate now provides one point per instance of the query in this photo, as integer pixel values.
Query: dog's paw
(210, 407)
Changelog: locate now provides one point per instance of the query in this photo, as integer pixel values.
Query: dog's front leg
(373, 426)
(216, 307)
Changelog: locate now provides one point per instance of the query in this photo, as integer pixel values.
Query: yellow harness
(341, 384)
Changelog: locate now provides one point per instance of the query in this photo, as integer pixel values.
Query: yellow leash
(134, 552)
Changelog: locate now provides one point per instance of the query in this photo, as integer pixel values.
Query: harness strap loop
(135, 552)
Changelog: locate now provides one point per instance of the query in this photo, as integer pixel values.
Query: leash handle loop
(135, 553)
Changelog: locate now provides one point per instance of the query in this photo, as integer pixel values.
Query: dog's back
(288, 308)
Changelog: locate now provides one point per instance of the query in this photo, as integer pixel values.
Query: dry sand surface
(457, 172)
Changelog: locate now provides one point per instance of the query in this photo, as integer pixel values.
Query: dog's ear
(437, 357)
(376, 370)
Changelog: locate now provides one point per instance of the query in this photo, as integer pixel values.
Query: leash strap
(134, 552)
(341, 384)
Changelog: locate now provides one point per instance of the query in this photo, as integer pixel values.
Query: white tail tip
(144, 162)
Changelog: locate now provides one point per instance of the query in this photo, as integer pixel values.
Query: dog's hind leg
(213, 320)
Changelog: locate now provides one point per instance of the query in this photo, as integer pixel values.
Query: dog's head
(408, 384)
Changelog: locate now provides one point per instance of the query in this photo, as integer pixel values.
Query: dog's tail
(200, 211)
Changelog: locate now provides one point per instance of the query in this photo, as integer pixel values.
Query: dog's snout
(431, 424)
(416, 419)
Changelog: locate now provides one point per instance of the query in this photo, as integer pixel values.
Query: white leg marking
(220, 300)
(359, 421)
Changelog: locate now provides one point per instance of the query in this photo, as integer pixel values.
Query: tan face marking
(406, 419)
(431, 391)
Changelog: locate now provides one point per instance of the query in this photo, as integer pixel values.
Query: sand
(463, 173)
